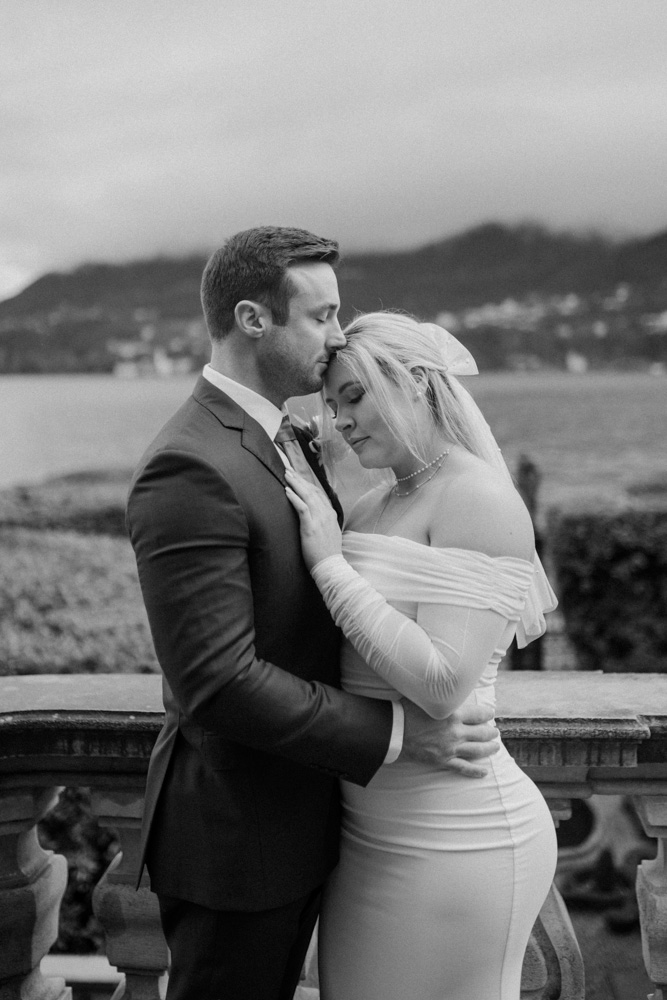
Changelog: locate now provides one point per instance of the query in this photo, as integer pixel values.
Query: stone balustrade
(576, 734)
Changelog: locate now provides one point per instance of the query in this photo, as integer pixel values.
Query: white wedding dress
(441, 877)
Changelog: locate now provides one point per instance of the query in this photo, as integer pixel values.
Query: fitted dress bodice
(407, 574)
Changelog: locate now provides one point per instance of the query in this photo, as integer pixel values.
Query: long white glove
(434, 661)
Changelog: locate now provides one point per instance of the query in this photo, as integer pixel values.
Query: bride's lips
(355, 442)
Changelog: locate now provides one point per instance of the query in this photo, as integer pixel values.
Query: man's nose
(335, 337)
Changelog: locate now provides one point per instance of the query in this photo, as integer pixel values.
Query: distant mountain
(486, 264)
(169, 284)
(493, 262)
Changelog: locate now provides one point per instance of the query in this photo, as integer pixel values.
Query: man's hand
(452, 743)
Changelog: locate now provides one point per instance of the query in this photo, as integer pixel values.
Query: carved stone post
(553, 966)
(131, 919)
(32, 883)
(652, 893)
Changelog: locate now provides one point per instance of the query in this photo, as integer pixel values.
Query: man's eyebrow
(328, 306)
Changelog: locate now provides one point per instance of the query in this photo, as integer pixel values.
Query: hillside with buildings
(520, 297)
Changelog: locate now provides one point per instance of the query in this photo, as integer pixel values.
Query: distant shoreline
(591, 435)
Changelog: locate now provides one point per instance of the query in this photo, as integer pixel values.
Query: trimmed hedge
(70, 604)
(611, 569)
(85, 502)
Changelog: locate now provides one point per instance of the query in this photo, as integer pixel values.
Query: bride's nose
(343, 421)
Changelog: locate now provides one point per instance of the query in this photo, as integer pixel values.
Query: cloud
(162, 127)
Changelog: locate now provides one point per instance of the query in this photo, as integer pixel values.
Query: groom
(242, 814)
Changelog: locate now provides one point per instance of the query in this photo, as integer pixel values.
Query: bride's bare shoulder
(481, 509)
(363, 514)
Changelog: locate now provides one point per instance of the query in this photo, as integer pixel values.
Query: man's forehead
(316, 280)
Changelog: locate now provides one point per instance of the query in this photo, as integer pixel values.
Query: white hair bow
(457, 359)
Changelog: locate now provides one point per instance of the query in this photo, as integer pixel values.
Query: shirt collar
(258, 407)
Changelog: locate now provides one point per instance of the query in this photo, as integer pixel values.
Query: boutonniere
(313, 428)
(326, 444)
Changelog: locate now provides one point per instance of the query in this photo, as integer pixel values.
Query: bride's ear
(420, 378)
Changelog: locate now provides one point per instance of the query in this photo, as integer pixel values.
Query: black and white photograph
(333, 500)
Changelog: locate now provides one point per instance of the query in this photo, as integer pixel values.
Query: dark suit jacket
(242, 795)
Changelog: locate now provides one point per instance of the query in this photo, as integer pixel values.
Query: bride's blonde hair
(389, 349)
(385, 348)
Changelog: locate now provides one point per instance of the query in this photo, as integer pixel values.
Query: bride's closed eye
(350, 401)
(354, 397)
(349, 394)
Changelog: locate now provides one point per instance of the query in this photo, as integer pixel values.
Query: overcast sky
(136, 127)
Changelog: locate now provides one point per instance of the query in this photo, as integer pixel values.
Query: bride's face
(358, 419)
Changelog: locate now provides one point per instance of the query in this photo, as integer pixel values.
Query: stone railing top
(54, 724)
(586, 719)
(581, 695)
(49, 693)
(92, 723)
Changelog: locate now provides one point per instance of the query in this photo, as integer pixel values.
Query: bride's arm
(434, 661)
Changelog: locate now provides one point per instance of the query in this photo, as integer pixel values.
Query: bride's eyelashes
(350, 401)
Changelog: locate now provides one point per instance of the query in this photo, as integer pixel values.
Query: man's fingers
(466, 769)
(472, 715)
(481, 733)
(476, 751)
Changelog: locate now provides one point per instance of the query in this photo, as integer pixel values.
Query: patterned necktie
(288, 444)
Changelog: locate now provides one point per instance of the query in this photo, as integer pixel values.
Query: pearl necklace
(402, 479)
(440, 459)
(392, 492)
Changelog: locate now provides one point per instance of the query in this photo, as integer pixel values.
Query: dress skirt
(440, 880)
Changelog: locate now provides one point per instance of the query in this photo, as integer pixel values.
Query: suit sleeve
(191, 539)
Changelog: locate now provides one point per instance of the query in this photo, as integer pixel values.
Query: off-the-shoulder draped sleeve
(540, 600)
(466, 603)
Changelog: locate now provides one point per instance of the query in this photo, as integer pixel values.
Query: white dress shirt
(269, 417)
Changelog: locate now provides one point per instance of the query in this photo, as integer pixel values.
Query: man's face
(294, 357)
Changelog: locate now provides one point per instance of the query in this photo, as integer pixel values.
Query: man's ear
(252, 318)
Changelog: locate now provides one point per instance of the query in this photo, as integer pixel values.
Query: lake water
(590, 434)
(63, 423)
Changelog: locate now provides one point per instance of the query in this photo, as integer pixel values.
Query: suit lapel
(253, 437)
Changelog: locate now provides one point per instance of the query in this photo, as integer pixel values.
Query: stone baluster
(652, 893)
(130, 918)
(32, 883)
(553, 966)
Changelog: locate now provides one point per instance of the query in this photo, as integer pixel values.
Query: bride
(441, 877)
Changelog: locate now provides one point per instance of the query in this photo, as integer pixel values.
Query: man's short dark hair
(254, 265)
